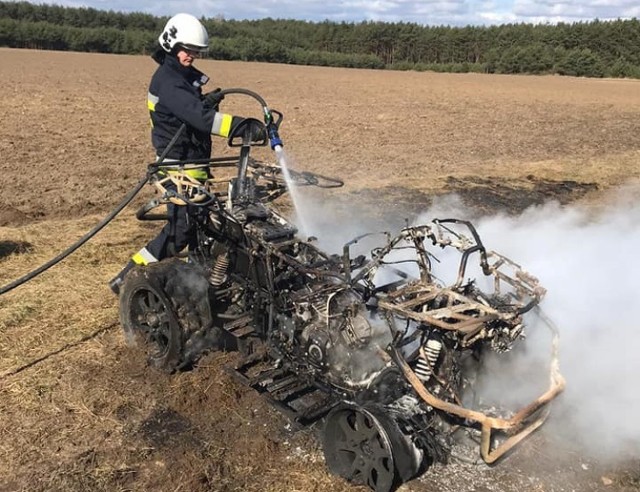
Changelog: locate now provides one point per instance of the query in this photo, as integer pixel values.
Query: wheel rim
(150, 317)
(357, 448)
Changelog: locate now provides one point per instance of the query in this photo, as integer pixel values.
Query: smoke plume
(586, 258)
(587, 261)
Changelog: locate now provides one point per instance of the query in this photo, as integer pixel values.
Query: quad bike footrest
(302, 402)
(241, 327)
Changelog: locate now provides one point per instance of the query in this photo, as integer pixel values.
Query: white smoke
(587, 259)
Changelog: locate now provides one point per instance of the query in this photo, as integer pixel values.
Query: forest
(590, 49)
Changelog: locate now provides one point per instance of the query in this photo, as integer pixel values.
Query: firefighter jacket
(175, 97)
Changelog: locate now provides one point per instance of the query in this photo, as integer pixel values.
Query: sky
(426, 12)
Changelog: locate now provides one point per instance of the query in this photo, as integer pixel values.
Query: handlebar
(252, 132)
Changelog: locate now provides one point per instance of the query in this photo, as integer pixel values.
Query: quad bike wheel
(148, 321)
(366, 447)
(164, 308)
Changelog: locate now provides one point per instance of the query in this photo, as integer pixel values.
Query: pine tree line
(594, 49)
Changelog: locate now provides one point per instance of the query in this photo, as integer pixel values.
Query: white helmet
(184, 30)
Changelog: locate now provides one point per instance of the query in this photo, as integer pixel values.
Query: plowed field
(79, 410)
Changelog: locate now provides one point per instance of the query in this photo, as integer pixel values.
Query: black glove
(257, 130)
(214, 98)
(258, 133)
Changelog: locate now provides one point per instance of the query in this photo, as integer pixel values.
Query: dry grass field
(80, 411)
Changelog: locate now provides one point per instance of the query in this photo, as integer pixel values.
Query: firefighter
(175, 97)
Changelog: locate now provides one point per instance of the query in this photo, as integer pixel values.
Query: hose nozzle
(274, 137)
(272, 126)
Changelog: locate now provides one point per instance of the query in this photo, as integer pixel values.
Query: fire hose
(275, 141)
(98, 227)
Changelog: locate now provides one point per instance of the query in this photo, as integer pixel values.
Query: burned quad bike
(376, 346)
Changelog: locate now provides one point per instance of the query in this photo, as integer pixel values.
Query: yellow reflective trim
(225, 127)
(143, 257)
(199, 174)
(138, 259)
(152, 101)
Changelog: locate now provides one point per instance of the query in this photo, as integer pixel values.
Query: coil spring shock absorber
(428, 357)
(219, 272)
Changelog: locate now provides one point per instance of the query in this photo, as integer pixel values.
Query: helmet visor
(194, 48)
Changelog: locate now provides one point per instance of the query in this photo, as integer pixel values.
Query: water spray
(277, 146)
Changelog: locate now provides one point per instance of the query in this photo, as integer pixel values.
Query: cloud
(427, 12)
(574, 10)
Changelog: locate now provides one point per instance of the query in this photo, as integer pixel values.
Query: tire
(164, 308)
(148, 321)
(365, 446)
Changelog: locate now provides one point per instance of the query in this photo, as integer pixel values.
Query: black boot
(116, 282)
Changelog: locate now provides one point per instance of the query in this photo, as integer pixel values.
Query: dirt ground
(79, 410)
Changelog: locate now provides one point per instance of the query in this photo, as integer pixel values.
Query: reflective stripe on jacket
(175, 97)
